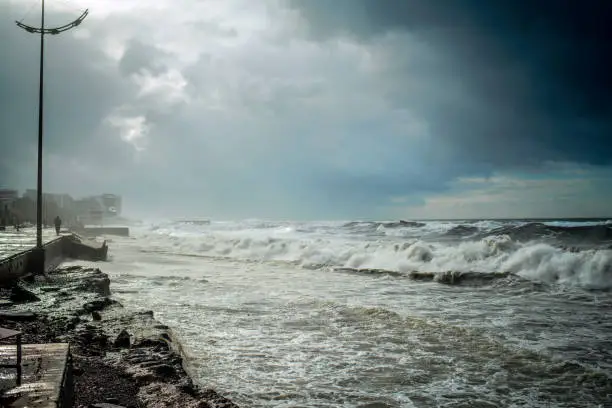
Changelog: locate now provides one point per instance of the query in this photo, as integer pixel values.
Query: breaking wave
(581, 233)
(446, 252)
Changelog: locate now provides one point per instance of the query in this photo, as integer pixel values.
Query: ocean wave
(462, 231)
(388, 224)
(586, 232)
(509, 250)
(448, 277)
(577, 233)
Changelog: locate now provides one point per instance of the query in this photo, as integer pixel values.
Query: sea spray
(535, 251)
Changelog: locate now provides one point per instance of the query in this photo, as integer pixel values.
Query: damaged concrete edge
(20, 265)
(177, 347)
(66, 395)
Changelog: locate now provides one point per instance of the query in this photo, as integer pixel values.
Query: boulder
(122, 340)
(97, 305)
(164, 370)
(157, 344)
(21, 295)
(18, 316)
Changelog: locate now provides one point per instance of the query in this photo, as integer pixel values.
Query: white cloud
(132, 129)
(167, 88)
(508, 195)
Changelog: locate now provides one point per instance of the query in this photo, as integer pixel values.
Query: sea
(460, 313)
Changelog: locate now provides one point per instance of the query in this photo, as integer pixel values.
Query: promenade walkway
(12, 242)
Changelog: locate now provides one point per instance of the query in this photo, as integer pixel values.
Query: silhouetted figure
(58, 224)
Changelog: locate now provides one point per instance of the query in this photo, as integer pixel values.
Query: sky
(315, 109)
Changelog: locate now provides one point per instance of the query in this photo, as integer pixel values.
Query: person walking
(58, 224)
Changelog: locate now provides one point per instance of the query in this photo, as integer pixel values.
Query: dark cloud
(535, 77)
(81, 88)
(268, 125)
(139, 56)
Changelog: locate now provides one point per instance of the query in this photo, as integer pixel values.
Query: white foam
(329, 244)
(268, 334)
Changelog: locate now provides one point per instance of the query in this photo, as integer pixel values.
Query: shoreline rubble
(120, 357)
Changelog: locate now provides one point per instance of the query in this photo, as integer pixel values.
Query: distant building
(31, 194)
(85, 206)
(88, 209)
(111, 204)
(66, 202)
(7, 197)
(63, 201)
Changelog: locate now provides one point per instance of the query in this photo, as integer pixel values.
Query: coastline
(119, 356)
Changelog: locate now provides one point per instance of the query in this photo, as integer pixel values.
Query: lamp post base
(36, 261)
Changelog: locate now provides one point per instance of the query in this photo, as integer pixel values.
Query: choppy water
(269, 319)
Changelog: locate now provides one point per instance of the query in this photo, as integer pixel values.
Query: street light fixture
(39, 263)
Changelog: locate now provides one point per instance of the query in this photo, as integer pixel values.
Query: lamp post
(39, 263)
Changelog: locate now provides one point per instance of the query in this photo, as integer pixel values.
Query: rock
(139, 359)
(164, 370)
(122, 340)
(5, 303)
(111, 400)
(21, 295)
(49, 289)
(18, 316)
(72, 323)
(101, 285)
(143, 377)
(152, 343)
(150, 361)
(187, 386)
(217, 400)
(97, 284)
(101, 339)
(96, 305)
(95, 315)
(106, 405)
(29, 278)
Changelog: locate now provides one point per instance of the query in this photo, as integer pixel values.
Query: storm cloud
(314, 109)
(532, 79)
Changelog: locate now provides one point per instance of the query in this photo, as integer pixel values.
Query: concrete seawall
(56, 251)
